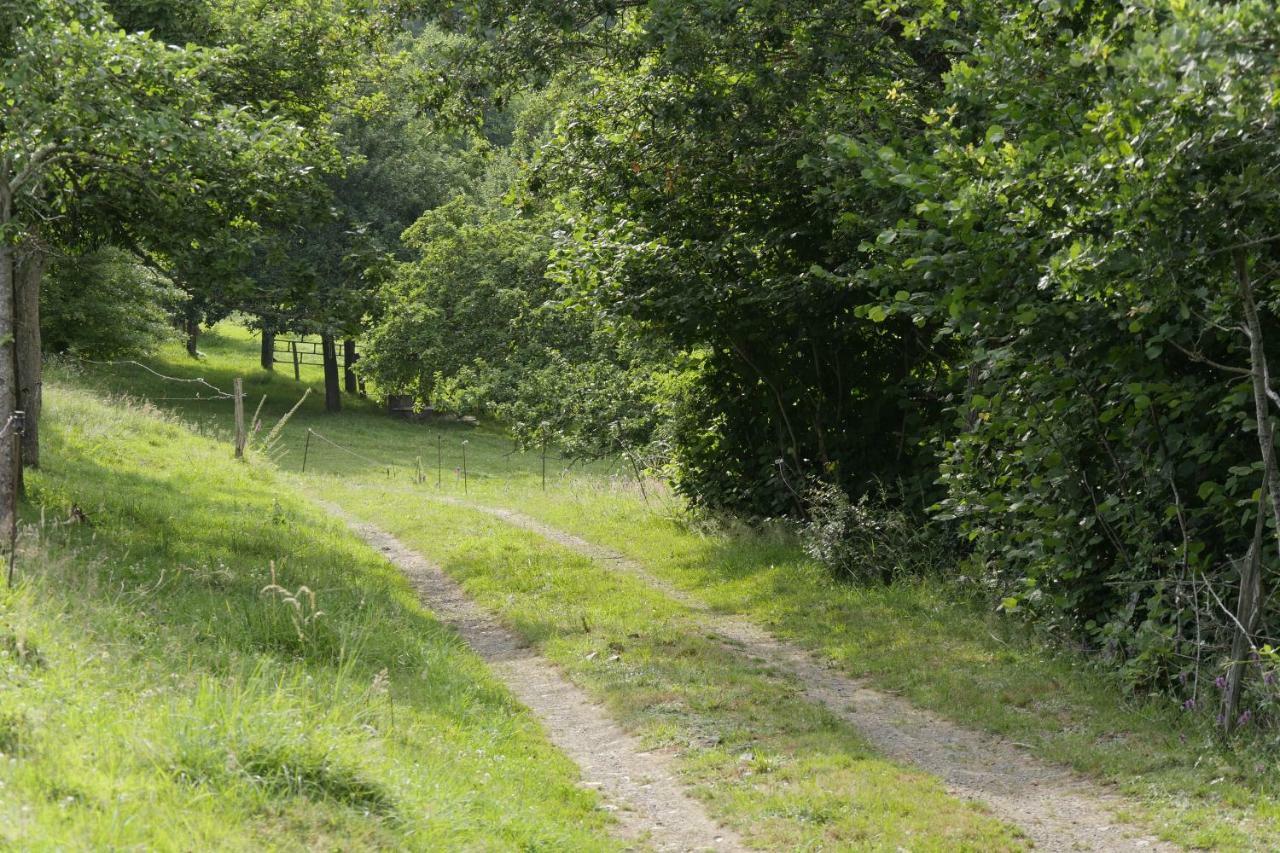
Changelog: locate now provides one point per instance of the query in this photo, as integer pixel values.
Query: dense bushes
(475, 326)
(873, 539)
(1085, 231)
(104, 304)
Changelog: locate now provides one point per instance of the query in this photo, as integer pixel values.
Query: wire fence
(465, 470)
(268, 444)
(313, 434)
(218, 393)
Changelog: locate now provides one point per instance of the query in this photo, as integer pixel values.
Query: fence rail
(299, 351)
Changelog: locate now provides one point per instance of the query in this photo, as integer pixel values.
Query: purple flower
(1245, 718)
(1182, 677)
(1269, 678)
(1189, 705)
(1222, 719)
(1220, 682)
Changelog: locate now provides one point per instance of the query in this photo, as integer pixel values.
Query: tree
(87, 105)
(319, 272)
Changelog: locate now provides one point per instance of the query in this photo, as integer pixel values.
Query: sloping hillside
(194, 658)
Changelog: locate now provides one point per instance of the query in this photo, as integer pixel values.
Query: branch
(1245, 245)
(1203, 359)
(38, 161)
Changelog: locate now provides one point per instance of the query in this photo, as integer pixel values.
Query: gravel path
(1059, 810)
(651, 805)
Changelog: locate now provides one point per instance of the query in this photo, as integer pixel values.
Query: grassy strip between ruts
(787, 774)
(155, 693)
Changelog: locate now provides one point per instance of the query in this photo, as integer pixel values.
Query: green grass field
(154, 694)
(780, 770)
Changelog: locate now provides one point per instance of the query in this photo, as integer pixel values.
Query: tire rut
(1057, 809)
(651, 805)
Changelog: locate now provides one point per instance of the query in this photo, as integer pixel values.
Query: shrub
(872, 538)
(104, 304)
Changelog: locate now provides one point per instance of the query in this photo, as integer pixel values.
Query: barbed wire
(221, 394)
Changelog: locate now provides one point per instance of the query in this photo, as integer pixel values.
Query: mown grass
(920, 637)
(153, 695)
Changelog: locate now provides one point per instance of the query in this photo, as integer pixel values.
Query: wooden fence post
(297, 369)
(237, 390)
(306, 448)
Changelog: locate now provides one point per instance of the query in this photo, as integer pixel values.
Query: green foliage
(1073, 221)
(104, 305)
(694, 211)
(319, 268)
(872, 539)
(473, 325)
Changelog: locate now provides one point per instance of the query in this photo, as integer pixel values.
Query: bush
(104, 304)
(872, 538)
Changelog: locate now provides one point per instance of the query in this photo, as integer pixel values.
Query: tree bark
(192, 329)
(268, 356)
(29, 273)
(332, 392)
(8, 372)
(348, 361)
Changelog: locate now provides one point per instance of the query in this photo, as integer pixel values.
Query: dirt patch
(649, 802)
(1057, 809)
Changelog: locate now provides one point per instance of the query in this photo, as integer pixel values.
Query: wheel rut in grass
(651, 804)
(1057, 809)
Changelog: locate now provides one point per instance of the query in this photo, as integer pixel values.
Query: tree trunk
(27, 278)
(1251, 567)
(193, 336)
(332, 393)
(8, 373)
(268, 357)
(348, 361)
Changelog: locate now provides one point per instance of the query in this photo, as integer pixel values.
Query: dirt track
(650, 803)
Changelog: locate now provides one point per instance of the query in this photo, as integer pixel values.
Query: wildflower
(1269, 678)
(1220, 682)
(1189, 705)
(1182, 677)
(1245, 718)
